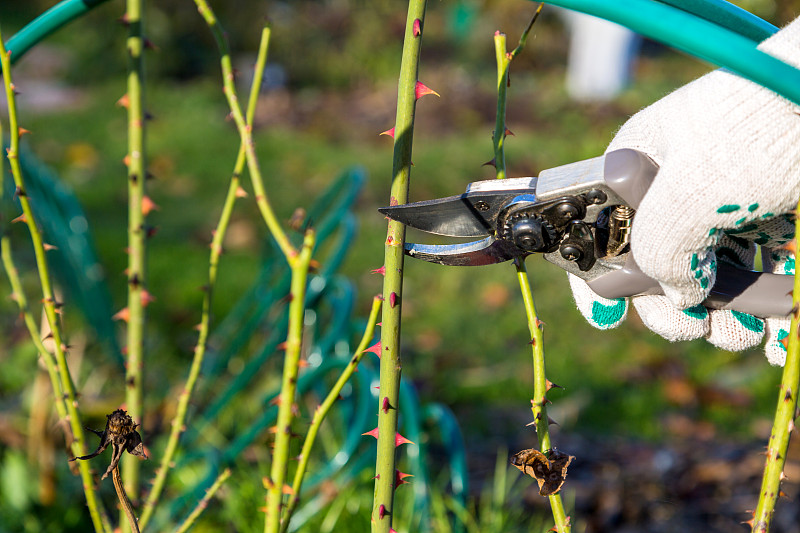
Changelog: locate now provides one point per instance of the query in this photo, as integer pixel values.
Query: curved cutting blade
(472, 214)
(487, 251)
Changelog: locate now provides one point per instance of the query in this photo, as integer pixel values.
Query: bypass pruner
(579, 217)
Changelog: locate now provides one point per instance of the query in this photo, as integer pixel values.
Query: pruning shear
(579, 216)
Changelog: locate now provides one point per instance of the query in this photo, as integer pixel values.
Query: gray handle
(629, 173)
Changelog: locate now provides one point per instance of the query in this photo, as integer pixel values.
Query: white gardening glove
(729, 157)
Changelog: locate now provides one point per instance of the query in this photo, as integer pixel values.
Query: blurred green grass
(465, 336)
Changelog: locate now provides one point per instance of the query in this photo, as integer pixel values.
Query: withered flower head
(121, 434)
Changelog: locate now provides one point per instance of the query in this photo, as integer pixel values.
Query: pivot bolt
(570, 252)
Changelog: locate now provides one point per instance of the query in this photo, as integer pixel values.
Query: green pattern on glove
(697, 312)
(749, 321)
(607, 316)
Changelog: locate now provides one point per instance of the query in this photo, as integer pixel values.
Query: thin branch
(178, 423)
(286, 399)
(391, 363)
(203, 504)
(51, 307)
(136, 160)
(323, 410)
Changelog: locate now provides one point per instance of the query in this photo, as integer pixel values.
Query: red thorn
(22, 131)
(281, 346)
(417, 28)
(399, 439)
(146, 298)
(399, 478)
(389, 133)
(386, 405)
(148, 205)
(381, 271)
(124, 101)
(240, 192)
(122, 314)
(373, 433)
(375, 348)
(421, 90)
(393, 300)
(381, 512)
(21, 218)
(509, 132)
(491, 163)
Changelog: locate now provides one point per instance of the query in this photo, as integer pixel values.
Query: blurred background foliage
(330, 89)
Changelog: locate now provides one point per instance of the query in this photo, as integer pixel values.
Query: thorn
(783, 476)
(150, 231)
(375, 348)
(281, 346)
(785, 342)
(491, 163)
(381, 271)
(148, 205)
(399, 478)
(540, 324)
(124, 20)
(148, 45)
(22, 131)
(145, 297)
(509, 132)
(122, 314)
(393, 300)
(21, 218)
(551, 385)
(47, 247)
(302, 363)
(19, 193)
(788, 396)
(288, 490)
(532, 342)
(790, 246)
(399, 439)
(267, 482)
(382, 512)
(240, 192)
(420, 90)
(551, 422)
(275, 401)
(373, 433)
(124, 101)
(389, 133)
(386, 405)
(417, 28)
(126, 160)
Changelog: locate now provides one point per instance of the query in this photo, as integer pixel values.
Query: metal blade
(487, 251)
(472, 214)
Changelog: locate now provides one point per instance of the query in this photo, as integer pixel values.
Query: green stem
(540, 388)
(66, 390)
(540, 383)
(286, 402)
(178, 423)
(137, 297)
(499, 134)
(246, 134)
(503, 60)
(202, 504)
(391, 364)
(785, 414)
(323, 410)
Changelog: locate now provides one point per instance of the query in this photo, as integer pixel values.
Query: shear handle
(630, 173)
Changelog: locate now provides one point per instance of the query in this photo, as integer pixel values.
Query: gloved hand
(729, 157)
